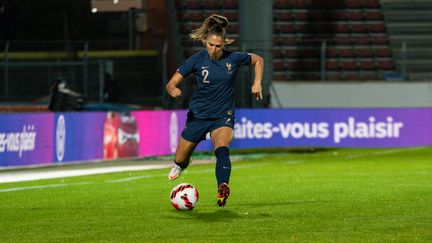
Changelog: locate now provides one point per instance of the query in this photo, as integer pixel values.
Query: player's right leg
(182, 158)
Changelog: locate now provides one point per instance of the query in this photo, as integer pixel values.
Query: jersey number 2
(205, 73)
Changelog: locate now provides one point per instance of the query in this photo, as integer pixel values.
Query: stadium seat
(353, 4)
(346, 52)
(281, 4)
(283, 16)
(359, 28)
(383, 52)
(386, 65)
(300, 4)
(332, 65)
(377, 28)
(194, 4)
(367, 65)
(371, 3)
(364, 52)
(374, 16)
(229, 4)
(211, 4)
(348, 65)
(357, 15)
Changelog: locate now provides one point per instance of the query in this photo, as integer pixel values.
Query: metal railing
(28, 68)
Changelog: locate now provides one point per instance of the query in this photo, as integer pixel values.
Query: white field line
(200, 171)
(391, 151)
(40, 175)
(43, 186)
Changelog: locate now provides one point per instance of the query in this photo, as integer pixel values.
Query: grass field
(343, 195)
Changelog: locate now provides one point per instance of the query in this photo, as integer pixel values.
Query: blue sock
(223, 165)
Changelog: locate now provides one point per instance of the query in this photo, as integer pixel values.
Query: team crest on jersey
(229, 67)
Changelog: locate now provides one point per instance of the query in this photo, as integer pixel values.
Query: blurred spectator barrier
(45, 138)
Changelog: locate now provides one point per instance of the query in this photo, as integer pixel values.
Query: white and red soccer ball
(184, 196)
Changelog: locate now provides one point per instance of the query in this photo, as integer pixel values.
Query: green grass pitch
(340, 195)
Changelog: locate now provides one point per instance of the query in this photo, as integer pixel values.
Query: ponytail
(213, 25)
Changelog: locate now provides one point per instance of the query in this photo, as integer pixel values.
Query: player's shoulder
(237, 55)
(198, 56)
(195, 59)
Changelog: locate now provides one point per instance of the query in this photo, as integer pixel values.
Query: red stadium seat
(300, 4)
(352, 76)
(386, 65)
(284, 28)
(341, 28)
(380, 40)
(194, 4)
(233, 28)
(367, 65)
(357, 15)
(332, 52)
(348, 65)
(353, 4)
(332, 65)
(359, 28)
(371, 3)
(302, 16)
(230, 4)
(283, 16)
(180, 4)
(383, 52)
(364, 52)
(377, 16)
(377, 28)
(281, 4)
(346, 52)
(231, 16)
(211, 4)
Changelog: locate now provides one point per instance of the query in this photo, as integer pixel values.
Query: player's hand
(257, 91)
(175, 92)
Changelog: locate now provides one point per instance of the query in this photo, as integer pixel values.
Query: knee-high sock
(223, 165)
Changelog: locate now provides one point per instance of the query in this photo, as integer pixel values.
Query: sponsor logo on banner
(373, 128)
(60, 138)
(173, 132)
(18, 142)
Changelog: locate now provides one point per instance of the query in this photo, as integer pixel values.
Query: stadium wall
(351, 94)
(51, 138)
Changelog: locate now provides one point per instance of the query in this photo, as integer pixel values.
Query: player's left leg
(182, 157)
(221, 138)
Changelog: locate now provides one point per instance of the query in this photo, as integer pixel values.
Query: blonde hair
(214, 24)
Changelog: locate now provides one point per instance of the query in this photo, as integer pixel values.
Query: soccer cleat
(175, 172)
(223, 194)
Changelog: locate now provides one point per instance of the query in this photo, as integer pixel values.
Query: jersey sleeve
(242, 58)
(188, 66)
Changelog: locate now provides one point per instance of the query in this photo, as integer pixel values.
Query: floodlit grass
(352, 195)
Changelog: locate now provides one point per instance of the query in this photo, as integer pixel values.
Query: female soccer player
(211, 108)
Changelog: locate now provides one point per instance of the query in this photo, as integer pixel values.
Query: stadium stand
(410, 22)
(191, 13)
(357, 44)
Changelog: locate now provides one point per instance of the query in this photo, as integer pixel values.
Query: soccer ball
(184, 196)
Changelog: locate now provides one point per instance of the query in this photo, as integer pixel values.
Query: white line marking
(392, 151)
(39, 175)
(43, 186)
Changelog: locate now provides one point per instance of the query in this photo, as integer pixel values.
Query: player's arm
(171, 86)
(258, 63)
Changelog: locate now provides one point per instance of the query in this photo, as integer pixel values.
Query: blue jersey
(213, 97)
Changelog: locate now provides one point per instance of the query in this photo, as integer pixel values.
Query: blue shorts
(196, 129)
